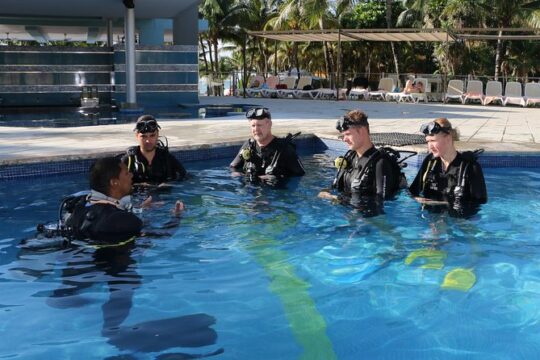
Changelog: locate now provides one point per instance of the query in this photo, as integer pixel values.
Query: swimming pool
(62, 117)
(259, 273)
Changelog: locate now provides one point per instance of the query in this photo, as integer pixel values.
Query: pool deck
(494, 128)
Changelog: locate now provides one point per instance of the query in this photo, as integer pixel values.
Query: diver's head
(147, 133)
(354, 130)
(110, 176)
(440, 136)
(260, 121)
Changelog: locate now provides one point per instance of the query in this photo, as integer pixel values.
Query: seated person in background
(414, 86)
(446, 175)
(150, 162)
(364, 171)
(265, 156)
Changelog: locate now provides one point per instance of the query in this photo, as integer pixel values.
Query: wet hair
(101, 173)
(444, 122)
(358, 118)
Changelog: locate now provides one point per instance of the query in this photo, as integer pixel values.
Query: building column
(131, 85)
(110, 40)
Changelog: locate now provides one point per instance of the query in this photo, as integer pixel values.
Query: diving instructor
(105, 214)
(266, 157)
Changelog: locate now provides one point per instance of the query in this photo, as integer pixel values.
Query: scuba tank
(66, 209)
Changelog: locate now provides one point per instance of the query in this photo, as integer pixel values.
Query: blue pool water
(259, 273)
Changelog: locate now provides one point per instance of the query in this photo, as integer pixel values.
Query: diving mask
(258, 114)
(345, 122)
(434, 128)
(146, 124)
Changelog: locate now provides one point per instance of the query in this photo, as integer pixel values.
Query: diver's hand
(178, 207)
(269, 179)
(147, 203)
(326, 195)
(426, 201)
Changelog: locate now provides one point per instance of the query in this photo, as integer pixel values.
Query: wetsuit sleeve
(477, 184)
(384, 178)
(416, 186)
(238, 161)
(291, 162)
(115, 225)
(176, 170)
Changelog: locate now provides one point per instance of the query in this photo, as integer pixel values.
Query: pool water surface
(259, 273)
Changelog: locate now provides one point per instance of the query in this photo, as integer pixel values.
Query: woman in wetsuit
(448, 176)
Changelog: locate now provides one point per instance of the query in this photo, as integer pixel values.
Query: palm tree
(219, 14)
(389, 26)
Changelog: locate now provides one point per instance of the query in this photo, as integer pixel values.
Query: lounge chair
(270, 87)
(493, 92)
(454, 91)
(323, 93)
(415, 96)
(386, 85)
(255, 86)
(302, 83)
(289, 87)
(532, 93)
(475, 91)
(513, 94)
(359, 88)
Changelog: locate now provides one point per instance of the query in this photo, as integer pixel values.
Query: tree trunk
(264, 62)
(295, 56)
(244, 59)
(389, 25)
(204, 54)
(216, 72)
(210, 57)
(498, 57)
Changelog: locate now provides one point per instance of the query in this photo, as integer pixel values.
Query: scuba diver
(105, 214)
(365, 175)
(151, 162)
(447, 176)
(266, 157)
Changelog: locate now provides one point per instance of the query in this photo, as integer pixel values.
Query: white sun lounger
(303, 82)
(513, 94)
(255, 86)
(290, 81)
(475, 91)
(532, 93)
(493, 92)
(454, 91)
(386, 85)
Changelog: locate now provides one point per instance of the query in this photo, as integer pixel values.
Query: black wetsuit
(103, 222)
(377, 179)
(278, 158)
(463, 181)
(165, 167)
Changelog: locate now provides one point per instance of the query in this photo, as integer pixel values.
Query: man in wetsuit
(364, 173)
(105, 214)
(266, 157)
(150, 162)
(448, 176)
